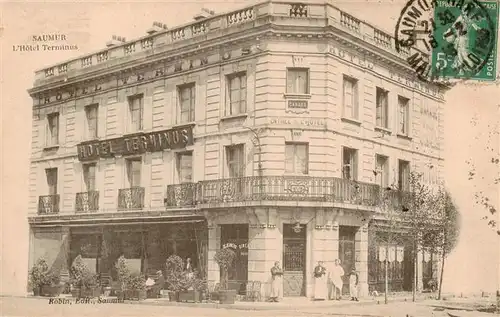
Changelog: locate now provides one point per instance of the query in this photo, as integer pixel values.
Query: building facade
(269, 130)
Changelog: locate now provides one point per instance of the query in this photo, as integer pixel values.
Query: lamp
(296, 227)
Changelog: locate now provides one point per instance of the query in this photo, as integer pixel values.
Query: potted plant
(137, 286)
(123, 274)
(77, 271)
(38, 275)
(90, 285)
(175, 276)
(225, 259)
(51, 285)
(191, 288)
(432, 285)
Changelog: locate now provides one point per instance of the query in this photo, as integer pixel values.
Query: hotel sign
(138, 143)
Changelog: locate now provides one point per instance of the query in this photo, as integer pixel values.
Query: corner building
(270, 130)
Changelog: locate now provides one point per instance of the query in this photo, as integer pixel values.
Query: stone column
(361, 247)
(213, 246)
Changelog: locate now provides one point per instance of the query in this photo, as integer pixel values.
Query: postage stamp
(450, 39)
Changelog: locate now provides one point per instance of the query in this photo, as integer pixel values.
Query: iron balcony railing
(48, 204)
(87, 201)
(131, 198)
(273, 188)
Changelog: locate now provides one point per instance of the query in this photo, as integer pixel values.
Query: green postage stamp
(450, 39)
(466, 34)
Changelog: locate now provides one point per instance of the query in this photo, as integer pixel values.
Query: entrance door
(294, 260)
(347, 239)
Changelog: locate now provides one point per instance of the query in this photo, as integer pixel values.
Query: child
(353, 285)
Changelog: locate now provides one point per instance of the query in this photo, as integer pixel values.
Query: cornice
(225, 43)
(112, 68)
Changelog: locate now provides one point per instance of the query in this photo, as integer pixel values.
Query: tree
(388, 232)
(449, 225)
(419, 208)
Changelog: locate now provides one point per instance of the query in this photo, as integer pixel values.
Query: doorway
(294, 260)
(347, 253)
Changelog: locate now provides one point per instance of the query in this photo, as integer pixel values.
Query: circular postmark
(449, 39)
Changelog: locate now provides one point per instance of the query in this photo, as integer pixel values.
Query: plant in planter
(137, 286)
(123, 274)
(51, 285)
(191, 288)
(38, 276)
(225, 259)
(432, 285)
(90, 285)
(77, 271)
(175, 277)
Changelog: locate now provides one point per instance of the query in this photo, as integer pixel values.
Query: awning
(113, 219)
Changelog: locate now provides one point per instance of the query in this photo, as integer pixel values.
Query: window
(53, 129)
(187, 97)
(91, 113)
(404, 175)
(404, 115)
(185, 167)
(89, 171)
(382, 170)
(134, 172)
(350, 97)
(235, 160)
(297, 81)
(51, 174)
(136, 108)
(297, 158)
(237, 88)
(382, 108)
(349, 163)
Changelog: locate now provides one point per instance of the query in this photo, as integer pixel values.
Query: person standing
(320, 282)
(353, 285)
(276, 275)
(189, 268)
(336, 278)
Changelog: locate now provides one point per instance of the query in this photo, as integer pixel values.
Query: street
(15, 306)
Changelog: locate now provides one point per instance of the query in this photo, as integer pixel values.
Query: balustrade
(351, 24)
(274, 188)
(48, 204)
(131, 198)
(87, 202)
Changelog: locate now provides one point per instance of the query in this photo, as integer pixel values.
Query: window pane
(134, 172)
(51, 175)
(297, 81)
(348, 98)
(301, 158)
(185, 167)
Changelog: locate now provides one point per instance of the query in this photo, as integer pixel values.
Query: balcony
(48, 204)
(272, 188)
(87, 202)
(131, 198)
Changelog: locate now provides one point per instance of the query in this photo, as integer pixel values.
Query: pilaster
(361, 247)
(213, 246)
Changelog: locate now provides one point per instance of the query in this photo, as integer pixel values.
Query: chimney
(205, 13)
(115, 40)
(157, 27)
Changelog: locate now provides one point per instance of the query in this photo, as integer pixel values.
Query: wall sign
(298, 122)
(139, 143)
